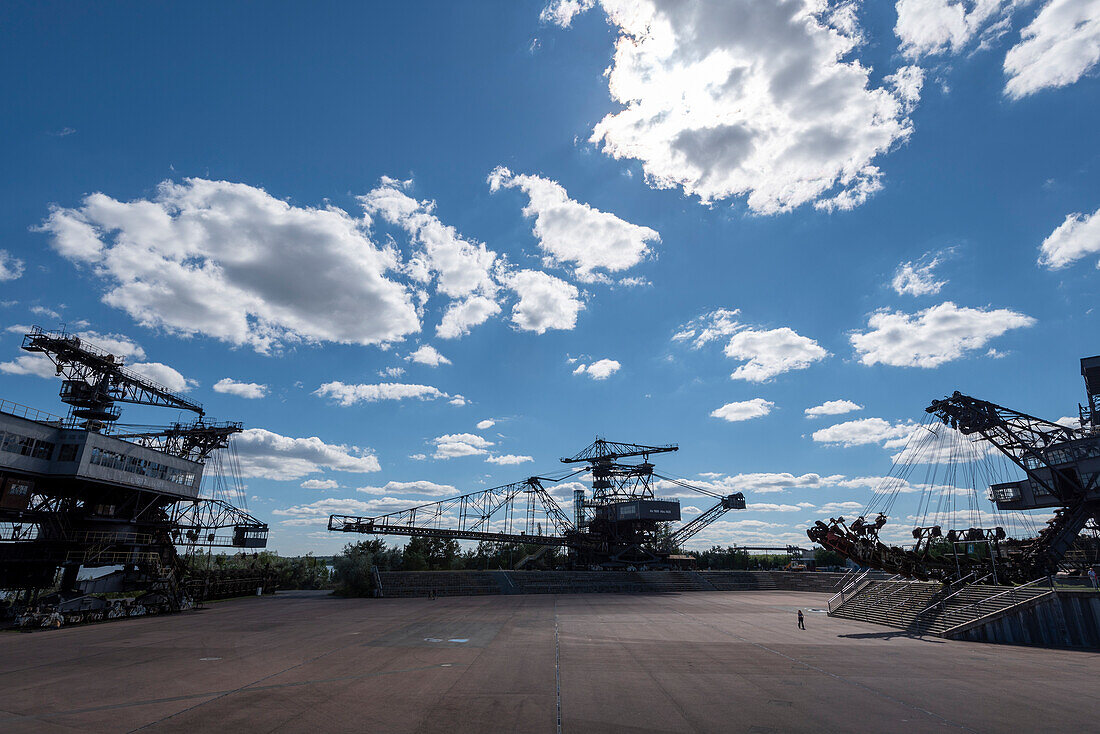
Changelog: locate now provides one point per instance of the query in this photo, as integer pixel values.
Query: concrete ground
(697, 662)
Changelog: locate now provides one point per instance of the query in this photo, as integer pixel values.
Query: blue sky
(896, 201)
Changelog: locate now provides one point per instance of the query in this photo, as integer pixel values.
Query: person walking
(801, 620)
(1092, 576)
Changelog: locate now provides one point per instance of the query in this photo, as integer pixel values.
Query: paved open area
(697, 662)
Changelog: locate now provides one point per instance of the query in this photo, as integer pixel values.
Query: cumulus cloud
(917, 278)
(11, 267)
(764, 100)
(598, 370)
(743, 411)
(320, 484)
(454, 445)
(757, 483)
(930, 27)
(161, 259)
(429, 356)
(771, 352)
(509, 459)
(346, 395)
(163, 375)
(316, 513)
(910, 443)
(460, 267)
(116, 344)
(832, 407)
(709, 327)
(545, 302)
(842, 507)
(766, 352)
(268, 455)
(250, 390)
(30, 364)
(562, 12)
(420, 487)
(933, 336)
(463, 315)
(486, 424)
(861, 432)
(1060, 45)
(1075, 238)
(594, 242)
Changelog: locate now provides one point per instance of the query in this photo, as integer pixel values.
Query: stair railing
(962, 612)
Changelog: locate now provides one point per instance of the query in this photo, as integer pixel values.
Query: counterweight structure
(1061, 465)
(74, 493)
(621, 524)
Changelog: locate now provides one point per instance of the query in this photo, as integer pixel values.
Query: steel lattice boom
(618, 526)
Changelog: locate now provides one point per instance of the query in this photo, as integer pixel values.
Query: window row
(134, 465)
(26, 446)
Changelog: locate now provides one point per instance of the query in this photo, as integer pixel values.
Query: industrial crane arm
(490, 514)
(1021, 437)
(729, 502)
(95, 379)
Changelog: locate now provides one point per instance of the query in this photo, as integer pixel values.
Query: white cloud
(709, 327)
(562, 12)
(772, 507)
(320, 484)
(598, 370)
(460, 444)
(1075, 238)
(842, 507)
(461, 316)
(911, 443)
(1060, 45)
(161, 260)
(428, 355)
(509, 459)
(862, 431)
(545, 302)
(745, 98)
(345, 394)
(832, 407)
(30, 364)
(485, 424)
(391, 372)
(43, 311)
(268, 455)
(917, 278)
(930, 27)
(164, 375)
(11, 267)
(771, 352)
(766, 352)
(757, 483)
(116, 344)
(571, 232)
(744, 410)
(461, 267)
(421, 487)
(316, 513)
(933, 336)
(251, 390)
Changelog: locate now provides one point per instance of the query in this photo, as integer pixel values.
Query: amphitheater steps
(931, 608)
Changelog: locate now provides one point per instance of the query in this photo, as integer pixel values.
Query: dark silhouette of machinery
(1062, 470)
(77, 492)
(622, 524)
